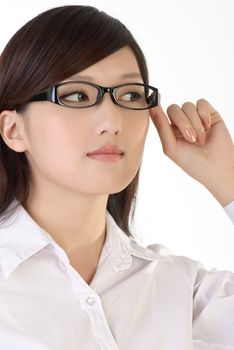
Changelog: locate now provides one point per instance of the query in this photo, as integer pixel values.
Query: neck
(76, 223)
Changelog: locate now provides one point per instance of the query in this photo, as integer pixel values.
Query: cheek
(56, 147)
(136, 134)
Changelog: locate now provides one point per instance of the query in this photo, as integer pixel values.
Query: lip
(107, 149)
(106, 157)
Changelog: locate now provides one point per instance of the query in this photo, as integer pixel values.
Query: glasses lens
(77, 95)
(135, 96)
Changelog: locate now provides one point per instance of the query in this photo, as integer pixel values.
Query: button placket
(100, 327)
(90, 301)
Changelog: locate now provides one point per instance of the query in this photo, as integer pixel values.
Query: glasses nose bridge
(105, 89)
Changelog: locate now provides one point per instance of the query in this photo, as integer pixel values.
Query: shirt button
(90, 300)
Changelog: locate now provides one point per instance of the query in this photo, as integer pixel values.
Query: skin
(210, 159)
(69, 191)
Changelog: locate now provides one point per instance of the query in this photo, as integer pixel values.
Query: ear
(12, 130)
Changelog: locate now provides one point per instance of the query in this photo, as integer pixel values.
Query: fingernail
(190, 135)
(203, 130)
(208, 122)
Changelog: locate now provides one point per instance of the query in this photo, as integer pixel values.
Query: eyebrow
(123, 76)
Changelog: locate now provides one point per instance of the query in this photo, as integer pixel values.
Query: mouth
(107, 149)
(106, 157)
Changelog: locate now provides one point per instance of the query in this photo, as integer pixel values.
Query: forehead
(122, 64)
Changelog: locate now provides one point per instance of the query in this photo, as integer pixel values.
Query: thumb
(161, 122)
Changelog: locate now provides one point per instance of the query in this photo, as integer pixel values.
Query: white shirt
(140, 298)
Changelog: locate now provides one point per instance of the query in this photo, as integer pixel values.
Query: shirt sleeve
(213, 306)
(213, 310)
(229, 209)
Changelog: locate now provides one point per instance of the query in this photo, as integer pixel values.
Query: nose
(109, 115)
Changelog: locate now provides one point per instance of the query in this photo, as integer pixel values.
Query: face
(59, 138)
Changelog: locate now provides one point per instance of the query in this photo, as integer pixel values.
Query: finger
(179, 118)
(207, 112)
(196, 120)
(161, 122)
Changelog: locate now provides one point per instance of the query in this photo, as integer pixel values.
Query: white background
(189, 49)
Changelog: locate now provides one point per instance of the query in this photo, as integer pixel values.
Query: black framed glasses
(83, 94)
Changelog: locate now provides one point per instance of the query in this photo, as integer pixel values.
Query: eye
(131, 96)
(75, 96)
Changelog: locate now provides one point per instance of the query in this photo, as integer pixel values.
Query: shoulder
(184, 266)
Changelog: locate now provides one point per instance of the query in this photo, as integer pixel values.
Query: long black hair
(49, 48)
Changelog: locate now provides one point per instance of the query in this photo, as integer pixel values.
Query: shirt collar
(21, 237)
(122, 247)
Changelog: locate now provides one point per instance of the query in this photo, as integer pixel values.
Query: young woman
(75, 103)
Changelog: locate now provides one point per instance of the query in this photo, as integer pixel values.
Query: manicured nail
(203, 130)
(208, 122)
(190, 135)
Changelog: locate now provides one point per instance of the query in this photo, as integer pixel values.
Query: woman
(75, 108)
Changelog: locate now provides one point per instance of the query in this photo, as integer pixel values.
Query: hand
(210, 159)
